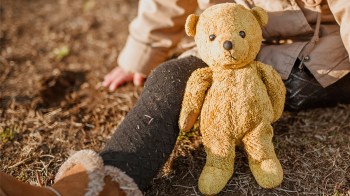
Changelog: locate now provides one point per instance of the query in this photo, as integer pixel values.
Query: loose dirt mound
(54, 55)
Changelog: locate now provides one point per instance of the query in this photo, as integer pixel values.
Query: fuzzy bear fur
(236, 97)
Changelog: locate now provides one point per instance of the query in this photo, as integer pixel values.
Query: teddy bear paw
(268, 173)
(213, 180)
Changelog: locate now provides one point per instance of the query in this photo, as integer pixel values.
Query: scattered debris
(50, 107)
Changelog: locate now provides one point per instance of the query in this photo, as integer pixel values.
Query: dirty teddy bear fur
(236, 97)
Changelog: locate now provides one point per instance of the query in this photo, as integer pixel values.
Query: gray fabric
(144, 140)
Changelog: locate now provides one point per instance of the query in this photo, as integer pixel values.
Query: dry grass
(54, 54)
(313, 147)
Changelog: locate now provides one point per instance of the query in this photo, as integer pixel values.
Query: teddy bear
(236, 98)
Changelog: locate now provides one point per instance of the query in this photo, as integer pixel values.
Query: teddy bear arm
(275, 88)
(196, 88)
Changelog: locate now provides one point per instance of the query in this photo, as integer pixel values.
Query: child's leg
(144, 140)
(303, 91)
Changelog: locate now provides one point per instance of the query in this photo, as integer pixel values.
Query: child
(313, 61)
(314, 64)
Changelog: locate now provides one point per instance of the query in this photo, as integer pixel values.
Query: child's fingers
(118, 77)
(110, 77)
(120, 80)
(114, 85)
(106, 82)
(138, 79)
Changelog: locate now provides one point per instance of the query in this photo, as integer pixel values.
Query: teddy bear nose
(228, 45)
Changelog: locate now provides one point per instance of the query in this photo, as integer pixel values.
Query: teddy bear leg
(263, 161)
(218, 168)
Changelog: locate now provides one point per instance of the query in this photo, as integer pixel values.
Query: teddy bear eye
(212, 37)
(242, 34)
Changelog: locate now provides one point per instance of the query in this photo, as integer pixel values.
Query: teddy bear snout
(228, 45)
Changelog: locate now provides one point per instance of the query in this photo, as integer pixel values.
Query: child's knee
(173, 74)
(164, 72)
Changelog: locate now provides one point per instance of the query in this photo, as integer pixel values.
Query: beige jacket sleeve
(341, 12)
(158, 28)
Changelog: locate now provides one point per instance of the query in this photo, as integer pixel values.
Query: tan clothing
(159, 26)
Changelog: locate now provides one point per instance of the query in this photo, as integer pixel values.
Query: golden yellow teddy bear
(236, 97)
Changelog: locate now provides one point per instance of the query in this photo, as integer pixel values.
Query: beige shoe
(82, 174)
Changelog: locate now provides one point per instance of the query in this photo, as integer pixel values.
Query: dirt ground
(53, 56)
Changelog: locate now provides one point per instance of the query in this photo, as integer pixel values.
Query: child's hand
(118, 77)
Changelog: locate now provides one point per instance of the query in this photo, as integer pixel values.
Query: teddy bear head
(227, 35)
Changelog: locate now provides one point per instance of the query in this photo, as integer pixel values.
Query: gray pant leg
(144, 140)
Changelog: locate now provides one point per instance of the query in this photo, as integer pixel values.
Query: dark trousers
(303, 91)
(144, 140)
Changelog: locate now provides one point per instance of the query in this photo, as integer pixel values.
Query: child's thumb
(138, 79)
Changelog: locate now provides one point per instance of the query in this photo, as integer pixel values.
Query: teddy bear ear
(261, 15)
(191, 23)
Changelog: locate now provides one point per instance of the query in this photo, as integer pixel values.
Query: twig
(38, 179)
(151, 119)
(286, 190)
(17, 164)
(182, 186)
(194, 189)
